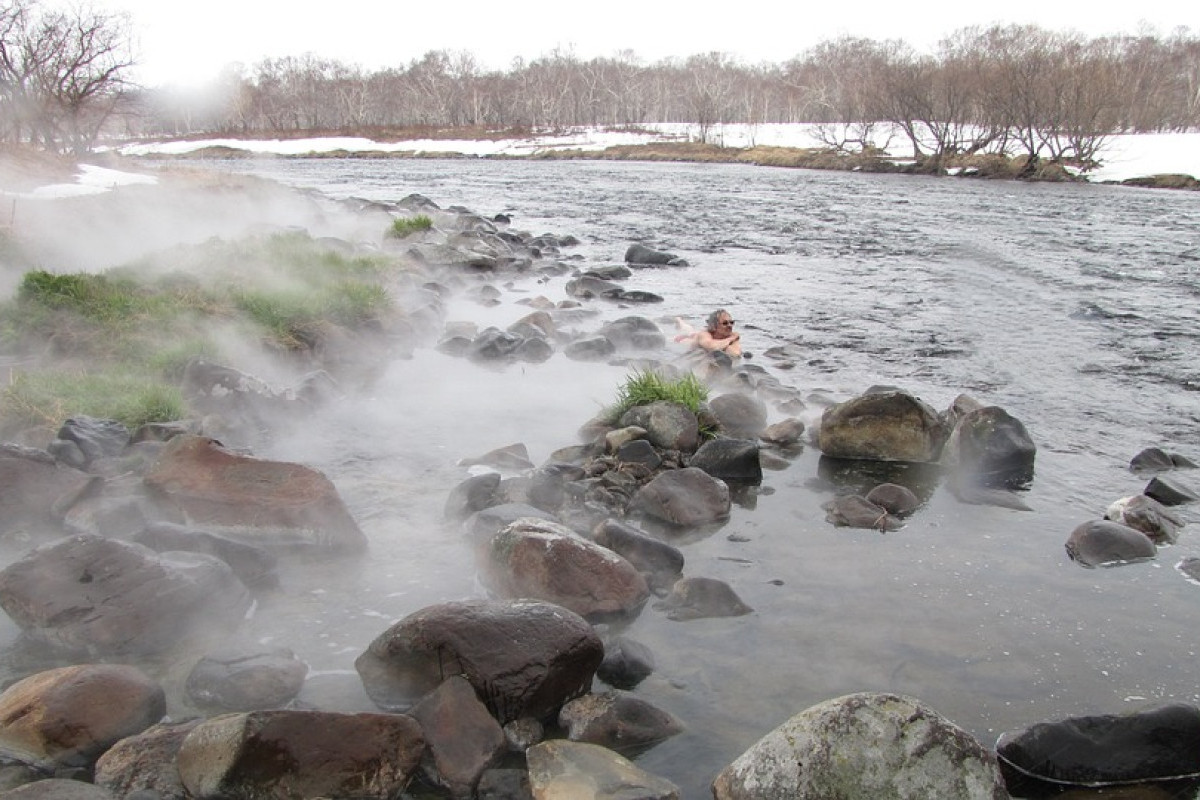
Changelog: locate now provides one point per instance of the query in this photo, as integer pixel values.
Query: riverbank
(1152, 160)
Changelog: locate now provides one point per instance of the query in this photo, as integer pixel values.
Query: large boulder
(668, 425)
(71, 715)
(104, 597)
(525, 658)
(882, 426)
(267, 503)
(868, 745)
(284, 754)
(560, 769)
(1102, 542)
(990, 447)
(549, 561)
(36, 491)
(684, 497)
(1158, 744)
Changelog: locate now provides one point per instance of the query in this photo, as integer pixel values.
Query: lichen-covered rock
(865, 746)
(882, 426)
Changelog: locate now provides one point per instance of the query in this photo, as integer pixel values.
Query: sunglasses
(728, 323)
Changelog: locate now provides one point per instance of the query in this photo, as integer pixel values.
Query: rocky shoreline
(148, 550)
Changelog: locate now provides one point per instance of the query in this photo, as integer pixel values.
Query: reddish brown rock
(463, 738)
(71, 715)
(268, 503)
(36, 491)
(286, 754)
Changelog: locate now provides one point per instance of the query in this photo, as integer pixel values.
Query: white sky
(189, 43)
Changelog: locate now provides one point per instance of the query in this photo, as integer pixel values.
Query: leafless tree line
(62, 73)
(1007, 89)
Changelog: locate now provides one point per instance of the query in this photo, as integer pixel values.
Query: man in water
(717, 337)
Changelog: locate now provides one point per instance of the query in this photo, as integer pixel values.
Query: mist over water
(1073, 307)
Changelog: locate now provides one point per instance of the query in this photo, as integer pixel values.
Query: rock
(145, 762)
(636, 296)
(586, 287)
(684, 497)
(989, 447)
(731, 460)
(462, 738)
(513, 457)
(1169, 492)
(612, 272)
(241, 681)
(104, 597)
(480, 527)
(548, 561)
(626, 663)
(59, 789)
(504, 784)
(1152, 745)
(1151, 461)
(634, 333)
(300, 754)
(785, 433)
(639, 451)
(248, 405)
(617, 720)
(35, 491)
(660, 562)
(522, 734)
(868, 745)
(855, 511)
(71, 715)
(882, 426)
(474, 494)
(894, 498)
(254, 566)
(739, 415)
(1148, 516)
(562, 770)
(668, 425)
(640, 254)
(493, 344)
(95, 438)
(700, 598)
(525, 658)
(266, 503)
(592, 348)
(1103, 543)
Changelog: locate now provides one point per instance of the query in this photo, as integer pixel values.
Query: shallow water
(1076, 308)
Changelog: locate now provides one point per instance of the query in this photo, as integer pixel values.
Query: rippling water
(1077, 308)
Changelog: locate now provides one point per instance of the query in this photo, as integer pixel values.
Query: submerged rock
(700, 598)
(564, 769)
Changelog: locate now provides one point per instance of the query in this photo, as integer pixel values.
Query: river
(1074, 307)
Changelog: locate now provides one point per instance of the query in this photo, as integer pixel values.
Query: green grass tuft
(47, 399)
(406, 226)
(647, 386)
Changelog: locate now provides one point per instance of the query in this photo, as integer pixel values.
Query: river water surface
(1076, 308)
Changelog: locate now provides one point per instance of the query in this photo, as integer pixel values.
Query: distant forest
(1017, 90)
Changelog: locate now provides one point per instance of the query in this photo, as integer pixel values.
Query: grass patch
(407, 226)
(47, 399)
(647, 386)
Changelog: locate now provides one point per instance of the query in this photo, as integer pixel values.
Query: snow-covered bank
(1125, 156)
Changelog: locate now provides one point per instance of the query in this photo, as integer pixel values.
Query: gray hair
(711, 322)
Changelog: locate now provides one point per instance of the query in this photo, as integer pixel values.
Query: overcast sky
(190, 43)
